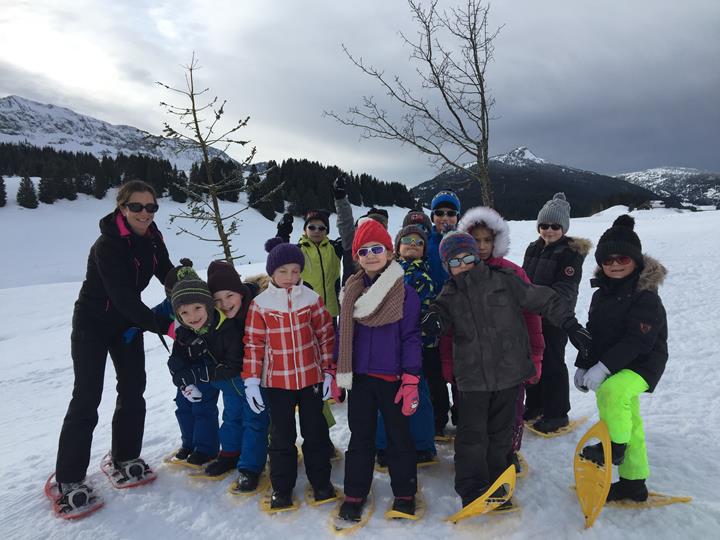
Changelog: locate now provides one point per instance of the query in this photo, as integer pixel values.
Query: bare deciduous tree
(447, 116)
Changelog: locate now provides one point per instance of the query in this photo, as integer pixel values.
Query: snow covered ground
(44, 252)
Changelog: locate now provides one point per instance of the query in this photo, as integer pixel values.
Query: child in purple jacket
(379, 362)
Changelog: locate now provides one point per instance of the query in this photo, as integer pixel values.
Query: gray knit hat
(556, 210)
(407, 230)
(190, 289)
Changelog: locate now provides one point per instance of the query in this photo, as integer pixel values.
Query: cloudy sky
(611, 86)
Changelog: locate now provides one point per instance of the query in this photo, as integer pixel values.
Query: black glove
(285, 227)
(578, 335)
(430, 324)
(339, 187)
(183, 378)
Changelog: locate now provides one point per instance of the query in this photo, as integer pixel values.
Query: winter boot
(623, 489)
(550, 425)
(594, 453)
(381, 458)
(247, 481)
(221, 465)
(531, 414)
(198, 459)
(324, 493)
(183, 453)
(280, 500)
(352, 508)
(404, 505)
(424, 456)
(74, 496)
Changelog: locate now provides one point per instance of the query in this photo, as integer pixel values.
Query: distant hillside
(691, 185)
(522, 183)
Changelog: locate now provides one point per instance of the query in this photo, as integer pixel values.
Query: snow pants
(437, 386)
(199, 429)
(242, 431)
(483, 440)
(517, 431)
(89, 351)
(368, 396)
(422, 424)
(317, 448)
(619, 407)
(552, 394)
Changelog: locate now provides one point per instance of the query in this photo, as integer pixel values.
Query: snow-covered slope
(693, 185)
(44, 253)
(520, 156)
(38, 124)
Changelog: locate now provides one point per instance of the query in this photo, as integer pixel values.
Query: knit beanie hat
(222, 276)
(556, 210)
(407, 231)
(190, 289)
(369, 230)
(322, 215)
(456, 242)
(417, 217)
(620, 239)
(280, 253)
(378, 214)
(445, 198)
(172, 276)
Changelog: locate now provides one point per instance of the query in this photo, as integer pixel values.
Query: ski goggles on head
(458, 261)
(375, 250)
(410, 241)
(443, 213)
(321, 228)
(620, 259)
(546, 226)
(137, 207)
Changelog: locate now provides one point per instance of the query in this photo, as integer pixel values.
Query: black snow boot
(623, 489)
(550, 425)
(221, 465)
(515, 461)
(531, 414)
(183, 453)
(424, 456)
(351, 510)
(198, 459)
(324, 493)
(404, 505)
(280, 500)
(594, 453)
(247, 481)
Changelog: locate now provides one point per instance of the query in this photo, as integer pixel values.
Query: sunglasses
(137, 207)
(375, 250)
(443, 213)
(467, 259)
(409, 241)
(546, 226)
(321, 228)
(620, 259)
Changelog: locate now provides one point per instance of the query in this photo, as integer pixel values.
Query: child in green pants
(628, 353)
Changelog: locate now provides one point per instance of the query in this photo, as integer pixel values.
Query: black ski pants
(552, 394)
(317, 448)
(368, 396)
(439, 396)
(484, 438)
(89, 350)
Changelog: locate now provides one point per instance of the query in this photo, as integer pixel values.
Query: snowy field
(44, 253)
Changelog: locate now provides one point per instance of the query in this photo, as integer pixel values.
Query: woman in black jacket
(128, 253)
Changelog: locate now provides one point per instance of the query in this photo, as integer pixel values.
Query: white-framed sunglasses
(375, 250)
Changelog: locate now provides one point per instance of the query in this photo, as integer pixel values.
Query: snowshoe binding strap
(76, 497)
(130, 471)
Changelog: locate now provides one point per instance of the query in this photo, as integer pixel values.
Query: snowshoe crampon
(65, 508)
(486, 502)
(592, 481)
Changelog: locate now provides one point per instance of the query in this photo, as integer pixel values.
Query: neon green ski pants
(619, 407)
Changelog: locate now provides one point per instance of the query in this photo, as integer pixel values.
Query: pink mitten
(408, 394)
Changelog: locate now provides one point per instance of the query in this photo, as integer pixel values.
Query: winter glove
(339, 190)
(191, 393)
(595, 376)
(285, 227)
(579, 379)
(408, 394)
(253, 395)
(330, 387)
(579, 336)
(129, 334)
(430, 324)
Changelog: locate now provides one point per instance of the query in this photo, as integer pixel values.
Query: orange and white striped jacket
(289, 338)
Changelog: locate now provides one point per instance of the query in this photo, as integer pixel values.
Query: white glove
(192, 393)
(595, 376)
(253, 395)
(579, 379)
(328, 386)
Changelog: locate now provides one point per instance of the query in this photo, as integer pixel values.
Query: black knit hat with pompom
(620, 239)
(280, 253)
(172, 276)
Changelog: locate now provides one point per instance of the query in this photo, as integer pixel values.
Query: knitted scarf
(379, 304)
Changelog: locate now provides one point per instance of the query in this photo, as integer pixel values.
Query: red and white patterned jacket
(289, 338)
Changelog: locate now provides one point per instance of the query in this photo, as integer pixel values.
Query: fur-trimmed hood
(581, 245)
(651, 276)
(493, 221)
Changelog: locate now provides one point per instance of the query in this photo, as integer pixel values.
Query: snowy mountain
(519, 157)
(38, 124)
(693, 185)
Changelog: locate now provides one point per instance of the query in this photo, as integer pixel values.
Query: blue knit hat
(445, 197)
(556, 210)
(280, 253)
(456, 242)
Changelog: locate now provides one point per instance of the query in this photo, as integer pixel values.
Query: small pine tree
(100, 185)
(3, 193)
(26, 196)
(46, 190)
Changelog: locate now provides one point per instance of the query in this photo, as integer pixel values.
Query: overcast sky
(611, 86)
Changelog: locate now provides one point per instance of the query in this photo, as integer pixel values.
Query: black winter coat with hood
(120, 266)
(628, 323)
